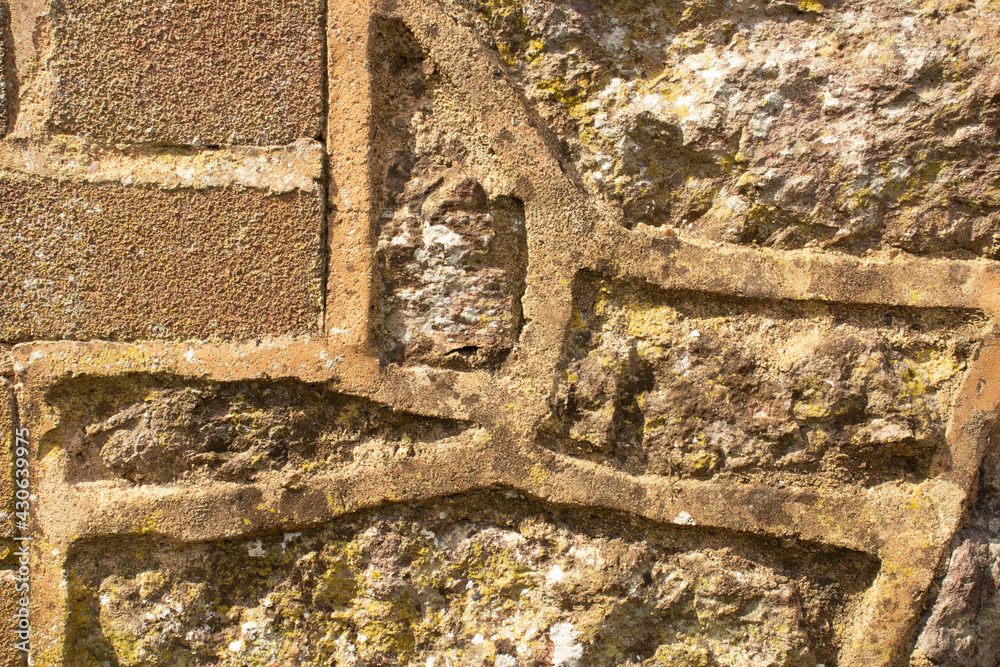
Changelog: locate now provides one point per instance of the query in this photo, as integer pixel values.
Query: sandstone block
(201, 72)
(452, 251)
(115, 262)
(452, 272)
(694, 118)
(154, 431)
(811, 392)
(479, 578)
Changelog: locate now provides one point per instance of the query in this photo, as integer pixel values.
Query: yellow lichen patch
(683, 653)
(946, 6)
(148, 525)
(811, 6)
(538, 474)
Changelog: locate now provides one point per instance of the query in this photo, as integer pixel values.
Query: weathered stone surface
(453, 271)
(452, 259)
(556, 405)
(482, 579)
(110, 261)
(963, 627)
(850, 125)
(153, 431)
(687, 385)
(199, 73)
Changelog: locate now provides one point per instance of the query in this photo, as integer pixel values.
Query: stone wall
(554, 333)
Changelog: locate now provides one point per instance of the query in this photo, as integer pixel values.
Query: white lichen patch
(566, 651)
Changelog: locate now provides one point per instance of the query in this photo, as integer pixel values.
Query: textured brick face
(108, 261)
(197, 72)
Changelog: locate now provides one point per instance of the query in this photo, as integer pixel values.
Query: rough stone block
(153, 431)
(962, 627)
(452, 254)
(478, 579)
(200, 72)
(452, 268)
(108, 261)
(695, 386)
(778, 124)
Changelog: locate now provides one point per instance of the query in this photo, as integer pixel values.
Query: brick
(197, 72)
(84, 260)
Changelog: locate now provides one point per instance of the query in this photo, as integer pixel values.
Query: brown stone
(202, 73)
(962, 630)
(462, 558)
(108, 261)
(6, 361)
(452, 266)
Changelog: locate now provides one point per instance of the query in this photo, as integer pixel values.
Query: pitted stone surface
(191, 73)
(8, 73)
(134, 262)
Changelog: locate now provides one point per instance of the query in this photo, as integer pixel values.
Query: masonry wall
(555, 333)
